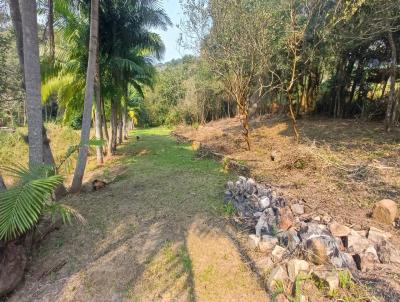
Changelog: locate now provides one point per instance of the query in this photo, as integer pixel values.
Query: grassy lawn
(151, 235)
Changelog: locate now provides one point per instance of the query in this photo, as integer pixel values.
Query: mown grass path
(154, 234)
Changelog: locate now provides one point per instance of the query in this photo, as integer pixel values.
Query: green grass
(13, 149)
(137, 228)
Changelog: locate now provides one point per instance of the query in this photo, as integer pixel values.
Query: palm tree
(89, 91)
(32, 81)
(126, 44)
(2, 184)
(17, 23)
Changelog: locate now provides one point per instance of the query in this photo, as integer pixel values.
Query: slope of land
(339, 167)
(153, 234)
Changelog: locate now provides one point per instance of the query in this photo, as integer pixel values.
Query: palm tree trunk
(124, 122)
(89, 90)
(98, 121)
(392, 94)
(17, 23)
(113, 123)
(2, 184)
(104, 119)
(120, 126)
(51, 30)
(32, 81)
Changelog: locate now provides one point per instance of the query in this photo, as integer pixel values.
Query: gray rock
(267, 243)
(387, 253)
(339, 230)
(377, 236)
(264, 202)
(357, 243)
(266, 222)
(293, 240)
(331, 278)
(277, 274)
(250, 186)
(264, 264)
(254, 241)
(368, 259)
(278, 253)
(295, 267)
(297, 209)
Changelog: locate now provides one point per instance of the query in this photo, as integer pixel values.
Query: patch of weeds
(320, 284)
(195, 125)
(207, 274)
(59, 242)
(121, 177)
(168, 251)
(185, 259)
(225, 163)
(299, 164)
(279, 289)
(345, 280)
(228, 209)
(274, 231)
(297, 289)
(242, 162)
(106, 173)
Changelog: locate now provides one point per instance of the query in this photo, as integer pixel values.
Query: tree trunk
(395, 109)
(120, 127)
(2, 184)
(392, 94)
(89, 90)
(17, 23)
(104, 119)
(51, 30)
(98, 121)
(124, 122)
(32, 81)
(113, 123)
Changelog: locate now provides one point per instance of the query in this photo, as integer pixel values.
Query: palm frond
(25, 175)
(22, 205)
(66, 212)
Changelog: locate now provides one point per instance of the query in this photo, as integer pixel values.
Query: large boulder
(378, 236)
(12, 267)
(385, 211)
(317, 251)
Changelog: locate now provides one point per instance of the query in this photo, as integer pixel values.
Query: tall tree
(98, 115)
(391, 108)
(2, 184)
(32, 81)
(89, 91)
(17, 23)
(50, 21)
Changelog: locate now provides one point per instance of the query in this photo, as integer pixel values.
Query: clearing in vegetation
(151, 235)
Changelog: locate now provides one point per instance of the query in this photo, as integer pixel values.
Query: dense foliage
(333, 58)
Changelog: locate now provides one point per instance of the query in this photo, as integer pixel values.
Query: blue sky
(171, 36)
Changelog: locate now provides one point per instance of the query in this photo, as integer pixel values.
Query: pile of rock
(296, 241)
